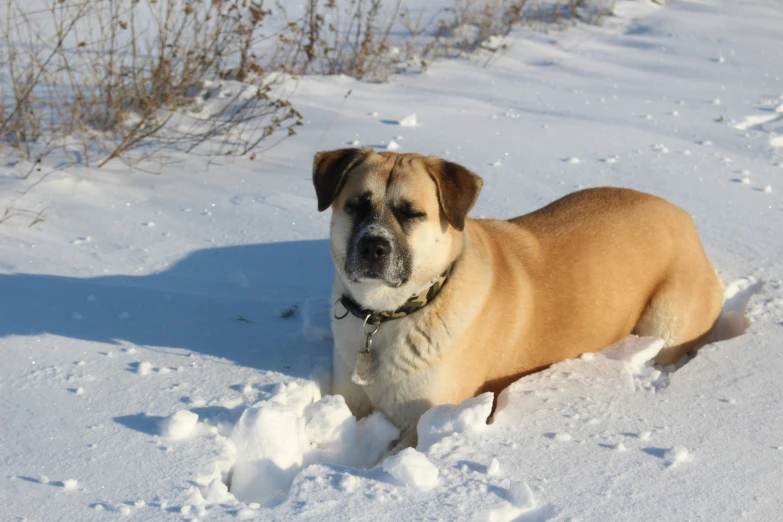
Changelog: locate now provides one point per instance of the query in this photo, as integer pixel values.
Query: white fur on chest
(405, 368)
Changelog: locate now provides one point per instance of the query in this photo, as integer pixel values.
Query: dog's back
(598, 265)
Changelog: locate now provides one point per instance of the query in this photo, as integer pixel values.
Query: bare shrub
(474, 27)
(133, 76)
(351, 38)
(127, 79)
(33, 216)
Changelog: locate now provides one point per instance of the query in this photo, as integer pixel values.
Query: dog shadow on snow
(240, 303)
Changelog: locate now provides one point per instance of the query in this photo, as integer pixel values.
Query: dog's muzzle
(374, 253)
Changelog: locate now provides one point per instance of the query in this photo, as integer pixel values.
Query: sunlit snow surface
(146, 360)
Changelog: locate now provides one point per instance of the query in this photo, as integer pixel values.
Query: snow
(270, 443)
(412, 468)
(520, 495)
(408, 121)
(182, 320)
(349, 483)
(494, 467)
(179, 425)
(144, 367)
(276, 437)
(675, 455)
(392, 145)
(330, 423)
(70, 485)
(443, 421)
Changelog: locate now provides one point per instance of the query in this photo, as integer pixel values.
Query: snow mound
(277, 437)
(408, 121)
(733, 320)
(348, 483)
(179, 425)
(412, 469)
(521, 505)
(676, 455)
(217, 492)
(442, 421)
(330, 422)
(493, 469)
(633, 353)
(70, 485)
(270, 443)
(520, 495)
(627, 364)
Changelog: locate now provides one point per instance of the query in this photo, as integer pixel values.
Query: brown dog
(432, 307)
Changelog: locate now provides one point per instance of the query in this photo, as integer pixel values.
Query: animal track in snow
(769, 120)
(733, 320)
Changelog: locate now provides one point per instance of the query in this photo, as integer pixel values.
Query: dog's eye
(358, 205)
(408, 213)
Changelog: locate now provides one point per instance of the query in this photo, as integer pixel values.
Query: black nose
(374, 249)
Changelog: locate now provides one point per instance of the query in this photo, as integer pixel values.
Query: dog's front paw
(408, 439)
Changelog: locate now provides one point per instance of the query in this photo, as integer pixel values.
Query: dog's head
(397, 219)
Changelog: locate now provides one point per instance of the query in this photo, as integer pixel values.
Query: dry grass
(351, 38)
(471, 27)
(128, 79)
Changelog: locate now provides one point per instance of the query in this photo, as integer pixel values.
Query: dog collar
(414, 304)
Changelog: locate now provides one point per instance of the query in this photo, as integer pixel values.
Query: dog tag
(362, 373)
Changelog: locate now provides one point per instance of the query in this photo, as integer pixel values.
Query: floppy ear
(458, 189)
(329, 170)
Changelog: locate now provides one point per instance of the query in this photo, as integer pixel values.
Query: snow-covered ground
(157, 331)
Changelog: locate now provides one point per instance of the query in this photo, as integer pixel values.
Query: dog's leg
(355, 396)
(682, 312)
(408, 439)
(406, 416)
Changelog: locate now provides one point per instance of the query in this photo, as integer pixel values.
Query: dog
(432, 307)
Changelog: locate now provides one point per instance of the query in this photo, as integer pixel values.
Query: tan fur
(575, 276)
